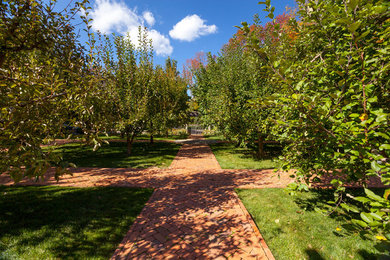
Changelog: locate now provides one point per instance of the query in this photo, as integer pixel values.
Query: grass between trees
(214, 137)
(147, 137)
(114, 155)
(231, 157)
(294, 230)
(73, 223)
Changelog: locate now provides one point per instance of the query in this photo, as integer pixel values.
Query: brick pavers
(196, 216)
(193, 213)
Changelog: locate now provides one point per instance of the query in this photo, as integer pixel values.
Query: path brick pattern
(197, 216)
(193, 213)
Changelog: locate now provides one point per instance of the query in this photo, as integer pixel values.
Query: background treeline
(51, 81)
(316, 79)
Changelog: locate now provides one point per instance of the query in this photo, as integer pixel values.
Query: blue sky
(179, 28)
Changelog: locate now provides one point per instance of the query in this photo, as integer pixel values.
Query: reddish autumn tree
(270, 33)
(194, 64)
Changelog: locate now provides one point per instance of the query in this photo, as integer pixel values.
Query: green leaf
(318, 210)
(353, 27)
(292, 186)
(381, 117)
(373, 99)
(352, 4)
(353, 115)
(382, 135)
(366, 217)
(302, 187)
(375, 216)
(372, 195)
(350, 208)
(376, 204)
(359, 222)
(362, 199)
(384, 147)
(375, 166)
(375, 224)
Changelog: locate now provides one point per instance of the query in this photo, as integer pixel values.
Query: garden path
(193, 213)
(197, 216)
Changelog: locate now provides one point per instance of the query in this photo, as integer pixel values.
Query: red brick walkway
(196, 216)
(194, 212)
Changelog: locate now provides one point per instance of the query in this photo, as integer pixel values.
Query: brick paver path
(196, 216)
(193, 213)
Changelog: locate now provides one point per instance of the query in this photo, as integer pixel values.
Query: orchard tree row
(147, 97)
(50, 81)
(318, 79)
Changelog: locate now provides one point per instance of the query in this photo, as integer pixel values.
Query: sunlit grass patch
(114, 155)
(231, 157)
(294, 230)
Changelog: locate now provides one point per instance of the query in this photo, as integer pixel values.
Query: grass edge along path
(291, 232)
(51, 222)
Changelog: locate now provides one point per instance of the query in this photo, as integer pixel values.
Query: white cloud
(149, 18)
(113, 16)
(161, 43)
(190, 28)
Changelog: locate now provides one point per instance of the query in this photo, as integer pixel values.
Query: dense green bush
(332, 70)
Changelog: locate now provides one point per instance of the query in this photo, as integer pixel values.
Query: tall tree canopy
(232, 88)
(51, 81)
(317, 81)
(47, 81)
(148, 97)
(332, 71)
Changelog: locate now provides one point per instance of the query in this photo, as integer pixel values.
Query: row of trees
(148, 97)
(228, 86)
(318, 80)
(50, 80)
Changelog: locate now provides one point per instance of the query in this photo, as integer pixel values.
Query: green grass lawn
(231, 157)
(75, 223)
(162, 138)
(214, 137)
(293, 230)
(147, 137)
(114, 155)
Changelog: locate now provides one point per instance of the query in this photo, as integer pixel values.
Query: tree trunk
(151, 133)
(129, 143)
(260, 151)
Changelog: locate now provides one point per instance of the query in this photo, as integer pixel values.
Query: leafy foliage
(333, 78)
(48, 81)
(147, 97)
(229, 89)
